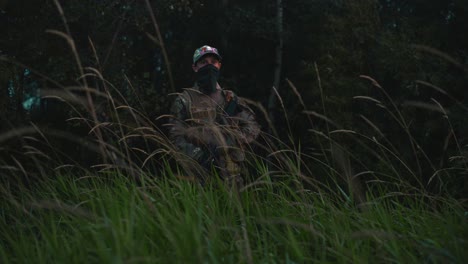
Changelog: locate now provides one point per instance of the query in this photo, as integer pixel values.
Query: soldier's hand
(196, 135)
(204, 136)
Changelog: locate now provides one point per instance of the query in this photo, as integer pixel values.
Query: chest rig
(205, 110)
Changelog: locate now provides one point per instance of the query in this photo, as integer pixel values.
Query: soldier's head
(206, 65)
(204, 56)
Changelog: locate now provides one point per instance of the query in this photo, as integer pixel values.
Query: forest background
(362, 156)
(329, 52)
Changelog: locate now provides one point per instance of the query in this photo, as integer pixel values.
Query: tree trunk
(272, 102)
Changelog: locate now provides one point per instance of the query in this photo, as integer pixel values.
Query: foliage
(367, 160)
(106, 218)
(413, 50)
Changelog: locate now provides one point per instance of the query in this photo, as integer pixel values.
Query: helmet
(202, 51)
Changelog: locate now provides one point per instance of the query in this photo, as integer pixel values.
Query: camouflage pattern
(213, 129)
(202, 51)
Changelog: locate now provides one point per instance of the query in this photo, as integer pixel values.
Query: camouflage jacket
(203, 126)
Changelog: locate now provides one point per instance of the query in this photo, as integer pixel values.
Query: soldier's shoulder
(229, 95)
(227, 91)
(184, 95)
(181, 100)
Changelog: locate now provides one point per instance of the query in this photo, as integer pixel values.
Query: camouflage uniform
(213, 129)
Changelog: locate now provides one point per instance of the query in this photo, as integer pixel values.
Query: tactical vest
(208, 113)
(203, 109)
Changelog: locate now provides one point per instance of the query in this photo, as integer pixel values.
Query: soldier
(211, 125)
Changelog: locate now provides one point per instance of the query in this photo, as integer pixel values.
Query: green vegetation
(109, 219)
(363, 160)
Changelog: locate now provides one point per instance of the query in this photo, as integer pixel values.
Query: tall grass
(104, 219)
(140, 202)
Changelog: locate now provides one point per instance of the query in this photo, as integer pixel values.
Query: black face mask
(207, 78)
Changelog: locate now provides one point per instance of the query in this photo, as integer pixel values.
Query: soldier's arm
(237, 110)
(179, 128)
(249, 127)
